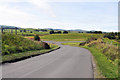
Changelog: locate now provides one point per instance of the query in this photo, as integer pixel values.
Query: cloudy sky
(60, 14)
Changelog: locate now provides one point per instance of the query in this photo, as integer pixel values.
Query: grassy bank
(14, 56)
(14, 44)
(105, 52)
(16, 47)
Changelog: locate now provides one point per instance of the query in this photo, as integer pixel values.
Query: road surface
(66, 62)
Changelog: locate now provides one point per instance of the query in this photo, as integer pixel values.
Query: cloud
(43, 4)
(12, 15)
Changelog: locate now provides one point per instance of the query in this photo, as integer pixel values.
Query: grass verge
(24, 55)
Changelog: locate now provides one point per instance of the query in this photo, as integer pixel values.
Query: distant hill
(7, 27)
(78, 30)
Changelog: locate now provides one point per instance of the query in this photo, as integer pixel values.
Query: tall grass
(106, 56)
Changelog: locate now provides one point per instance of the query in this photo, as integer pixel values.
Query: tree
(65, 32)
(30, 31)
(24, 30)
(59, 32)
(98, 32)
(52, 32)
(37, 38)
(20, 30)
(110, 35)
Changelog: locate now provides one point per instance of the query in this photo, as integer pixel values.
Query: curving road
(66, 62)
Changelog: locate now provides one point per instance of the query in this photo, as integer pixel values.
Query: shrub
(37, 38)
(45, 45)
(87, 41)
(110, 35)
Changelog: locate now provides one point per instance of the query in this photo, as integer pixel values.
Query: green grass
(105, 66)
(14, 43)
(107, 62)
(108, 41)
(28, 53)
(69, 37)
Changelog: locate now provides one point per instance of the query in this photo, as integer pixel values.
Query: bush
(37, 38)
(87, 41)
(110, 35)
(45, 45)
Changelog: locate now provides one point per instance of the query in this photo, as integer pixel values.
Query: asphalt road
(66, 62)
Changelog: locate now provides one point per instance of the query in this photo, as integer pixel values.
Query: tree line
(58, 32)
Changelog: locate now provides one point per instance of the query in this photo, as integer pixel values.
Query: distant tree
(37, 30)
(24, 30)
(37, 38)
(43, 30)
(65, 32)
(110, 35)
(20, 30)
(52, 32)
(98, 32)
(59, 32)
(30, 31)
(116, 33)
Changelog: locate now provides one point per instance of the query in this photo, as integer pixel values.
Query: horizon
(99, 16)
(59, 28)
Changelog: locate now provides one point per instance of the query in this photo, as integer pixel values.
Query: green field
(69, 37)
(105, 54)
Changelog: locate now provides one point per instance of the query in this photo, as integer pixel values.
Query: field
(68, 37)
(105, 54)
